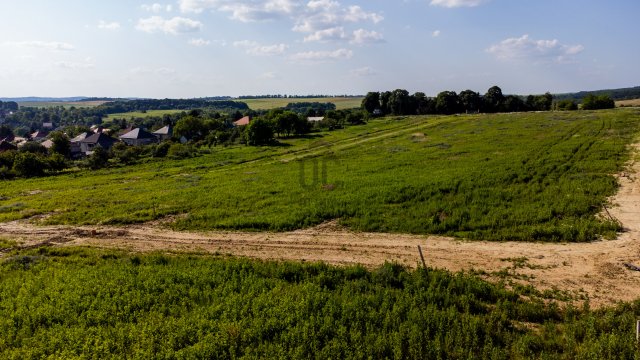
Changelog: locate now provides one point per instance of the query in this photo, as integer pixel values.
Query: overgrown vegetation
(68, 303)
(534, 176)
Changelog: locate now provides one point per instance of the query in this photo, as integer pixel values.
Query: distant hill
(616, 94)
(45, 99)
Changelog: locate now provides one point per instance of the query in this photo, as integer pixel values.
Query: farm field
(633, 102)
(267, 104)
(65, 104)
(542, 176)
(139, 114)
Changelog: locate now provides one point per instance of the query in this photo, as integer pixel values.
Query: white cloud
(362, 36)
(334, 33)
(268, 76)
(156, 8)
(457, 3)
(154, 71)
(436, 33)
(321, 19)
(364, 71)
(76, 65)
(256, 49)
(173, 26)
(244, 10)
(340, 54)
(527, 48)
(108, 25)
(46, 45)
(199, 42)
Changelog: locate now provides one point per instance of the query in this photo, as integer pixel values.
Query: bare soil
(595, 270)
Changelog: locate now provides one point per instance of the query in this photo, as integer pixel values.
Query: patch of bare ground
(595, 269)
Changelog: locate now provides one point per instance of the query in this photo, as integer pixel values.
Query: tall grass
(535, 176)
(80, 303)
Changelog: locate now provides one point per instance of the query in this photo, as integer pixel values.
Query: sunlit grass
(536, 176)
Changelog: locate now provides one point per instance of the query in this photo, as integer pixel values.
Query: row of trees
(400, 102)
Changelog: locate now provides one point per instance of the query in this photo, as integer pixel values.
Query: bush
(28, 164)
(180, 151)
(98, 159)
(566, 105)
(56, 162)
(161, 150)
(593, 102)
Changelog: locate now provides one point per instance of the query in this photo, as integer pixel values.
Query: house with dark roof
(7, 146)
(39, 135)
(138, 136)
(164, 133)
(76, 152)
(243, 122)
(88, 144)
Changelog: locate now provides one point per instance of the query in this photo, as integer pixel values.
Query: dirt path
(594, 269)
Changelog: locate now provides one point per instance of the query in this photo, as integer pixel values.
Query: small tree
(28, 164)
(98, 159)
(61, 144)
(593, 102)
(259, 132)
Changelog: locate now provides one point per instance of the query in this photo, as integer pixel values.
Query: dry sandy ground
(594, 269)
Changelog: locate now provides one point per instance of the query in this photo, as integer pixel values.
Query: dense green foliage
(615, 94)
(68, 303)
(596, 102)
(400, 102)
(532, 176)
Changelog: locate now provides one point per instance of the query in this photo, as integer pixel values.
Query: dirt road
(594, 269)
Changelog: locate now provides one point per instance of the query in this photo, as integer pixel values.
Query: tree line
(400, 102)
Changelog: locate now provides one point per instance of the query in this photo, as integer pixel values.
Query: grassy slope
(138, 114)
(266, 104)
(79, 303)
(509, 176)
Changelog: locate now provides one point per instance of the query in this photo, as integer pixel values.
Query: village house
(76, 151)
(89, 144)
(164, 133)
(39, 135)
(242, 122)
(138, 136)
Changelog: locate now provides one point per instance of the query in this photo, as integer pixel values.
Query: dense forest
(615, 94)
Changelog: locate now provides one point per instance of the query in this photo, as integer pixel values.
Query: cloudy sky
(197, 48)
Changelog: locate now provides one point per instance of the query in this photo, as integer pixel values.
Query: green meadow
(273, 103)
(527, 176)
(140, 114)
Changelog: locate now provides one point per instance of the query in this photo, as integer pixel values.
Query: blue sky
(197, 48)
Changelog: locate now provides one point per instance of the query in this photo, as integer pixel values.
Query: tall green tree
(61, 144)
(493, 99)
(447, 102)
(259, 132)
(371, 102)
(470, 101)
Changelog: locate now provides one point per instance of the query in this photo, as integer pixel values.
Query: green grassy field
(66, 303)
(267, 104)
(65, 104)
(138, 114)
(530, 176)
